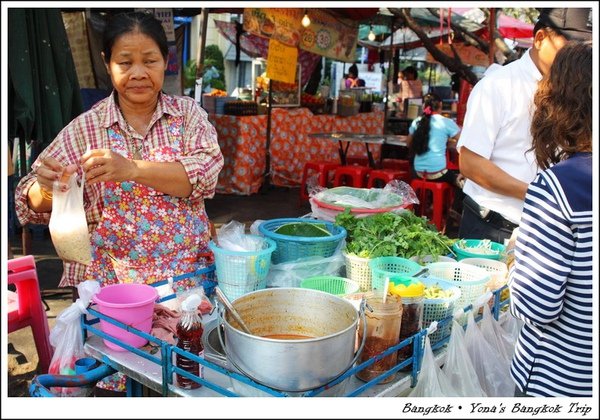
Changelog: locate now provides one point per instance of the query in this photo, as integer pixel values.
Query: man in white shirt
(495, 140)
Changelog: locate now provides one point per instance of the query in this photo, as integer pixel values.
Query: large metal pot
(292, 365)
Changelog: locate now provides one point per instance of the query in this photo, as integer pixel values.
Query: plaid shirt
(201, 157)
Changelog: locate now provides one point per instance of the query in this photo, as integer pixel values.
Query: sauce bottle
(189, 334)
(412, 293)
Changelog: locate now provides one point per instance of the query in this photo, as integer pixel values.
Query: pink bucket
(131, 304)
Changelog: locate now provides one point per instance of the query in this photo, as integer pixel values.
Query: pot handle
(363, 317)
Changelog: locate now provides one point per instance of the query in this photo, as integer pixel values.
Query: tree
(453, 62)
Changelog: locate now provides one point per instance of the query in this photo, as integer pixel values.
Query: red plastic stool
(397, 164)
(357, 175)
(386, 175)
(25, 307)
(355, 160)
(323, 169)
(443, 194)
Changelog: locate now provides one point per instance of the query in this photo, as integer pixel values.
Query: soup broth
(287, 336)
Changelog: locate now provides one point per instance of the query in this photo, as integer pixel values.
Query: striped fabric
(551, 283)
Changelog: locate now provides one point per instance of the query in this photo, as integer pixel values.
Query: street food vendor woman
(149, 160)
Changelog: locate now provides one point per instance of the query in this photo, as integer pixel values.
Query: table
(243, 143)
(348, 138)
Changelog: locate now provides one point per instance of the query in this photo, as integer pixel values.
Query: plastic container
(436, 309)
(391, 267)
(131, 304)
(461, 253)
(428, 259)
(383, 332)
(358, 270)
(497, 270)
(241, 272)
(412, 314)
(338, 286)
(470, 279)
(291, 248)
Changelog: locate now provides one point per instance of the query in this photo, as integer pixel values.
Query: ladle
(221, 296)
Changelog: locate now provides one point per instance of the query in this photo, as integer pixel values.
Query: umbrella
(43, 87)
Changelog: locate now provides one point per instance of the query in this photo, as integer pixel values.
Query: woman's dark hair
(125, 23)
(353, 70)
(420, 142)
(410, 71)
(562, 121)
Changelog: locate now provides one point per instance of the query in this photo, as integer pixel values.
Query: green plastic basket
(338, 286)
(461, 253)
(391, 267)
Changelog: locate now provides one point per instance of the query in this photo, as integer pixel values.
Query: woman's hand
(51, 171)
(102, 165)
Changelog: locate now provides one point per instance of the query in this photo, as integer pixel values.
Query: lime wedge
(313, 230)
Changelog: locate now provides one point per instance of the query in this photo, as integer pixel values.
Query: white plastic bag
(432, 381)
(494, 377)
(66, 338)
(496, 336)
(458, 367)
(232, 236)
(68, 225)
(512, 327)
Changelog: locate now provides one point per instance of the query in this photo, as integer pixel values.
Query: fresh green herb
(483, 247)
(392, 234)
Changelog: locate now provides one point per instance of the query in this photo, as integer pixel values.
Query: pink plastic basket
(131, 304)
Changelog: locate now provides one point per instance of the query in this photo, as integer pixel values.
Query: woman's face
(137, 68)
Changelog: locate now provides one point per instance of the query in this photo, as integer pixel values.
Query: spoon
(221, 296)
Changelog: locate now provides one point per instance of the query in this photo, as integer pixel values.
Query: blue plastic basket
(383, 267)
(436, 309)
(463, 253)
(241, 272)
(291, 248)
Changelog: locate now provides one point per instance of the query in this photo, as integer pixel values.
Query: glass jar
(412, 323)
(383, 332)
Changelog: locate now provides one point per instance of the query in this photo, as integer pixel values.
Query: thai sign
(281, 62)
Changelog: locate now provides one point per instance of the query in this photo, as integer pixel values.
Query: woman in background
(551, 282)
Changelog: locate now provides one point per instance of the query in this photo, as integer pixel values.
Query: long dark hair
(127, 22)
(420, 142)
(562, 122)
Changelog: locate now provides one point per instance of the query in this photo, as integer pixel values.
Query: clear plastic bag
(432, 381)
(290, 274)
(232, 236)
(66, 338)
(396, 193)
(458, 367)
(68, 225)
(512, 327)
(496, 336)
(493, 375)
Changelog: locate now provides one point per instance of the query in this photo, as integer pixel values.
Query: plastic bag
(494, 377)
(496, 336)
(68, 225)
(395, 194)
(458, 367)
(432, 381)
(512, 327)
(66, 338)
(232, 236)
(290, 274)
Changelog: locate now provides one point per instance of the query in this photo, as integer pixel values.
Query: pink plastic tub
(133, 305)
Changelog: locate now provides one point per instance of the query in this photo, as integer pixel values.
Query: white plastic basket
(497, 270)
(470, 279)
(358, 270)
(428, 259)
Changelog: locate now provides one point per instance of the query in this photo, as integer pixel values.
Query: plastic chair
(356, 174)
(322, 168)
(386, 175)
(355, 160)
(443, 194)
(25, 308)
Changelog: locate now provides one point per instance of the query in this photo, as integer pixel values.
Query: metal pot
(292, 365)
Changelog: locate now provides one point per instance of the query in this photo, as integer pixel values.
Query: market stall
(243, 143)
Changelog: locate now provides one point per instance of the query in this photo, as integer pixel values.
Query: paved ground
(275, 202)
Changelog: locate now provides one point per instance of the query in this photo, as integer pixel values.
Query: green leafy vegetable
(392, 234)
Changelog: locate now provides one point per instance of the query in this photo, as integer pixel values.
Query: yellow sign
(281, 62)
(330, 36)
(280, 24)
(468, 54)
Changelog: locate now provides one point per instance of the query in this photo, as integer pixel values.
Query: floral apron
(145, 236)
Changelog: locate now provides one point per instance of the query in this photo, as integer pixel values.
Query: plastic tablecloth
(243, 143)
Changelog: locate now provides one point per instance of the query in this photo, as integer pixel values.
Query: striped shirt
(551, 283)
(201, 157)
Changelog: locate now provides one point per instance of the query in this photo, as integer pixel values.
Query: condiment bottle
(383, 331)
(189, 334)
(412, 294)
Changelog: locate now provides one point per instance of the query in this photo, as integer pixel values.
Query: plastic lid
(191, 303)
(413, 289)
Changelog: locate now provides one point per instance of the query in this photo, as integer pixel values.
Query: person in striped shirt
(550, 279)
